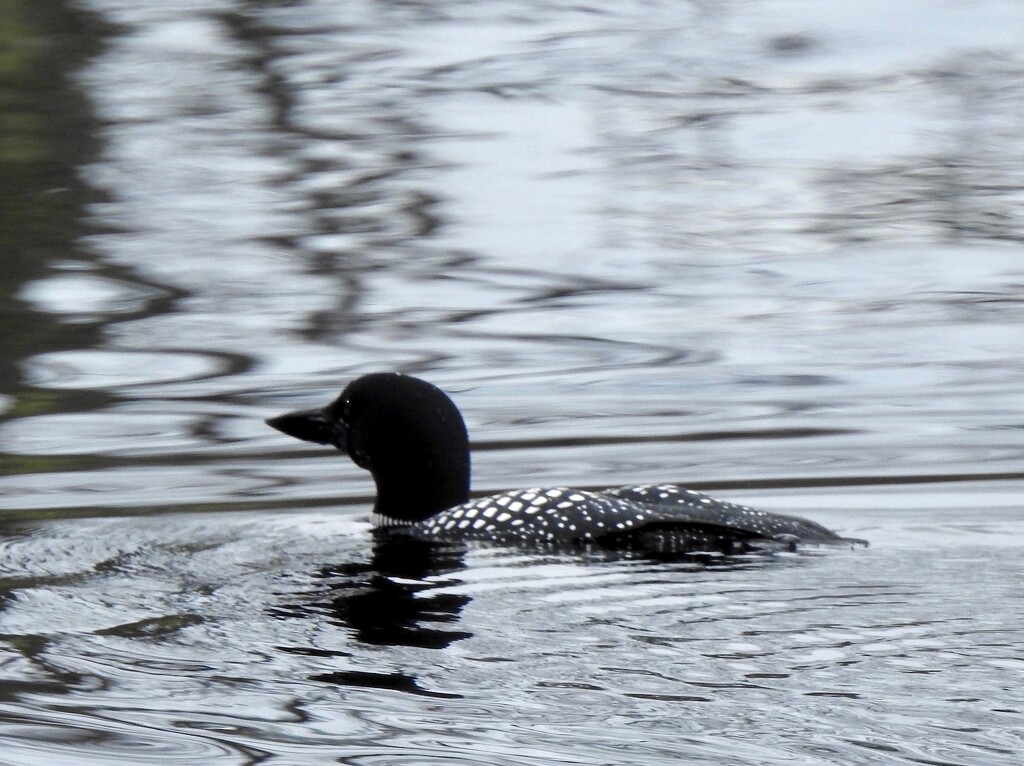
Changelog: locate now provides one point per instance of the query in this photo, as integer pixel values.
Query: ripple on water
(110, 432)
(99, 369)
(98, 736)
(217, 635)
(141, 488)
(81, 297)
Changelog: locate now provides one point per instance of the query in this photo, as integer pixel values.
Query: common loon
(411, 437)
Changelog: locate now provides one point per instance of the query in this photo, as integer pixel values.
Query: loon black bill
(311, 426)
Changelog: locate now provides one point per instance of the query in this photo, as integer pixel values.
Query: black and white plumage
(412, 439)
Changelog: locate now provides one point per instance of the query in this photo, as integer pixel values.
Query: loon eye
(346, 409)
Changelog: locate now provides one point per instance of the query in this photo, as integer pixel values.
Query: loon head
(406, 432)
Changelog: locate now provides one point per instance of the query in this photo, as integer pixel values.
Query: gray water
(768, 249)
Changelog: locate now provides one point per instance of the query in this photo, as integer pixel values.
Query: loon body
(411, 437)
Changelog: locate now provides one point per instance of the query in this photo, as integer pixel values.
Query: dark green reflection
(47, 132)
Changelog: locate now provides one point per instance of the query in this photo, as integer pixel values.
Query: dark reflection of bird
(398, 598)
(411, 437)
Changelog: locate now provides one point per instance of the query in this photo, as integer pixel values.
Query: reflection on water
(386, 601)
(46, 133)
(233, 633)
(765, 246)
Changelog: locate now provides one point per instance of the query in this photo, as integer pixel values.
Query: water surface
(767, 249)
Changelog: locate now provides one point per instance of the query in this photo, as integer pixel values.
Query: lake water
(770, 249)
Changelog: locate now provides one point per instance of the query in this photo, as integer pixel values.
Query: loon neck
(417, 494)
